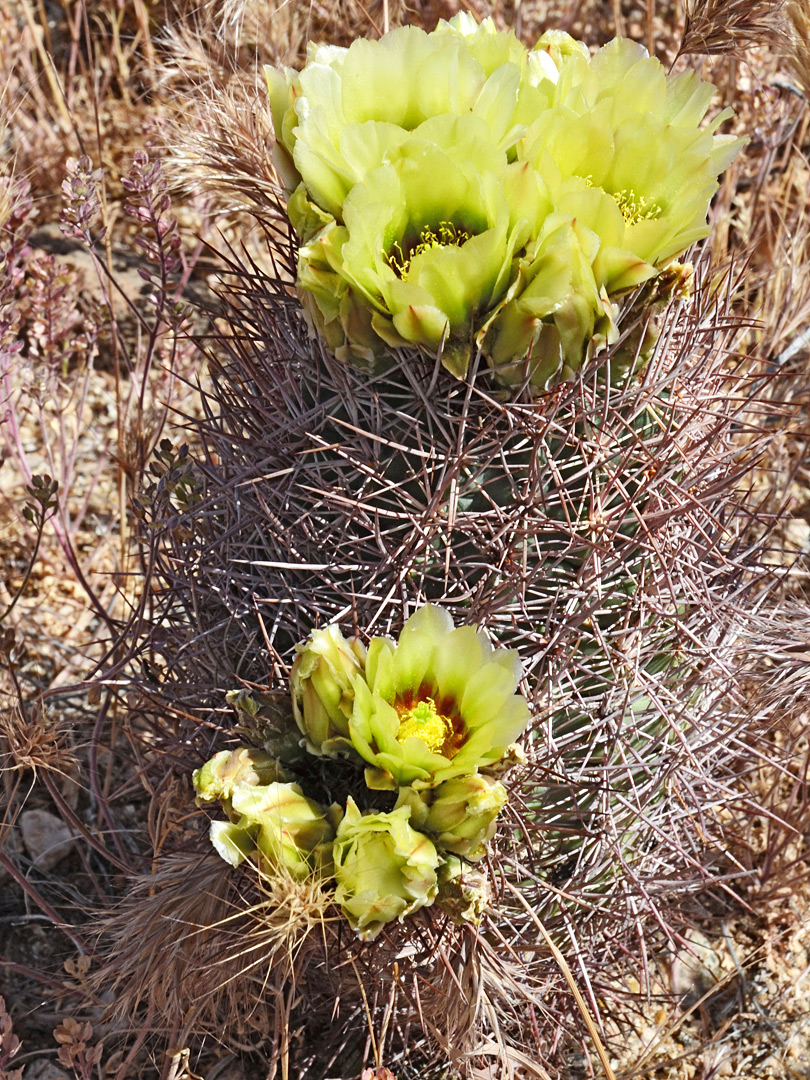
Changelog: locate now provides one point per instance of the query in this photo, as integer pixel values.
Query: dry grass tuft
(33, 739)
(192, 942)
(798, 48)
(227, 154)
(714, 27)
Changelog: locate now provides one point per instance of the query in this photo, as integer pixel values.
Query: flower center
(635, 208)
(446, 234)
(426, 723)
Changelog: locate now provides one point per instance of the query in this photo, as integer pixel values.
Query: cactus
(591, 530)
(592, 527)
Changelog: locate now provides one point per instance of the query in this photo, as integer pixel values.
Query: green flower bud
(559, 46)
(243, 702)
(384, 868)
(322, 679)
(459, 815)
(464, 893)
(555, 316)
(438, 704)
(229, 769)
(294, 833)
(283, 89)
(265, 717)
(306, 217)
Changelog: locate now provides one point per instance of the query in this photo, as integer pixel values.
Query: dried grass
(271, 955)
(714, 27)
(798, 47)
(190, 948)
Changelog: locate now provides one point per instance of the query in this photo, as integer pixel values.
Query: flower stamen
(635, 208)
(445, 234)
(425, 722)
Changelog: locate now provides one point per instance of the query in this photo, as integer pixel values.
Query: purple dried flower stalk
(16, 210)
(149, 204)
(50, 333)
(81, 202)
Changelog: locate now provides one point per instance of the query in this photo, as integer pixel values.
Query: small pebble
(46, 838)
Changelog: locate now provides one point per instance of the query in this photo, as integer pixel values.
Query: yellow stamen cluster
(446, 234)
(426, 723)
(635, 208)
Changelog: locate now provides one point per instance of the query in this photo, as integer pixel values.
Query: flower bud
(294, 834)
(265, 718)
(559, 46)
(384, 868)
(322, 693)
(228, 769)
(464, 893)
(459, 814)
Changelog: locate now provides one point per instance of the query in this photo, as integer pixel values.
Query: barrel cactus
(488, 399)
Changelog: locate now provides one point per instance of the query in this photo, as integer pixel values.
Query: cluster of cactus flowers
(433, 719)
(460, 193)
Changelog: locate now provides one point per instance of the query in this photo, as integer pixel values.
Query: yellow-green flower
(456, 192)
(322, 694)
(458, 815)
(643, 169)
(630, 174)
(269, 820)
(384, 869)
(427, 248)
(293, 833)
(439, 703)
(348, 109)
(229, 769)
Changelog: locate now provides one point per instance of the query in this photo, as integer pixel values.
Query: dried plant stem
(570, 980)
(69, 931)
(65, 119)
(618, 21)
